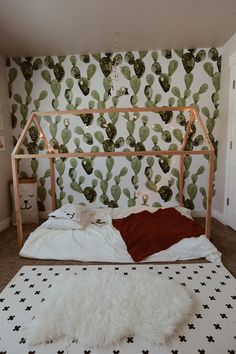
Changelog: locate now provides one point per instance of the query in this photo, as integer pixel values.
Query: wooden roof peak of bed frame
(52, 154)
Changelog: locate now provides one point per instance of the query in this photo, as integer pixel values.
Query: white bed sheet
(105, 244)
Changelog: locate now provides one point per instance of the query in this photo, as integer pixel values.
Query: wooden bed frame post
(182, 156)
(181, 180)
(209, 194)
(16, 194)
(53, 186)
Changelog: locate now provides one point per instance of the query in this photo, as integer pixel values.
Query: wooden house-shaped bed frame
(53, 154)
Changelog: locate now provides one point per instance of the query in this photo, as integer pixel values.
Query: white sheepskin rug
(100, 308)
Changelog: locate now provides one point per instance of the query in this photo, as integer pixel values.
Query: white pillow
(71, 216)
(61, 224)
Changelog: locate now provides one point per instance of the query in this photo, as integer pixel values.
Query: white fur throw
(100, 308)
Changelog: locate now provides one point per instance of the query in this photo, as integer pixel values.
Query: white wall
(5, 156)
(222, 131)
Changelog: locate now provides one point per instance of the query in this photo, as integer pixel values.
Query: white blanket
(105, 244)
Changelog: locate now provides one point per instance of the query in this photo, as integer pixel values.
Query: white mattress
(105, 244)
(210, 328)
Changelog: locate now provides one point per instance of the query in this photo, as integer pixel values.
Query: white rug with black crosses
(211, 328)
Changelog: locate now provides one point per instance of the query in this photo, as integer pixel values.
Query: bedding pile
(64, 236)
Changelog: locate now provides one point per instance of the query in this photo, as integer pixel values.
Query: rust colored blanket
(146, 233)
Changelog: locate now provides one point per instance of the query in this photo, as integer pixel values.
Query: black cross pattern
(67, 269)
(130, 340)
(22, 299)
(213, 272)
(30, 352)
(159, 272)
(37, 292)
(229, 306)
(99, 268)
(227, 277)
(21, 274)
(177, 272)
(34, 268)
(76, 341)
(39, 274)
(16, 328)
(117, 268)
(183, 284)
(195, 272)
(198, 315)
(183, 267)
(11, 318)
(42, 300)
(26, 279)
(174, 351)
(150, 268)
(218, 290)
(22, 341)
(28, 308)
(6, 308)
(2, 299)
(125, 273)
(60, 352)
(206, 306)
(87, 351)
(50, 269)
(17, 292)
(116, 351)
(218, 266)
(231, 351)
(217, 326)
(12, 285)
(45, 279)
(182, 339)
(197, 290)
(233, 297)
(3, 352)
(212, 298)
(133, 268)
(170, 278)
(145, 351)
(203, 284)
(85, 268)
(201, 266)
(222, 283)
(31, 286)
(208, 277)
(201, 351)
(56, 274)
(166, 267)
(210, 339)
(190, 278)
(223, 315)
(191, 326)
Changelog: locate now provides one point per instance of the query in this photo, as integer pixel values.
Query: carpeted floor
(223, 237)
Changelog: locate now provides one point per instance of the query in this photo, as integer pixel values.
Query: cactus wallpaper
(131, 79)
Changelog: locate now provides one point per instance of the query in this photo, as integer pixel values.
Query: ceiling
(59, 27)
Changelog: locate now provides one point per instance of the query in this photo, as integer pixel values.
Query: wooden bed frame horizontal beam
(114, 153)
(114, 109)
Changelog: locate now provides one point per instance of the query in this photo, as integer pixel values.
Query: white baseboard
(5, 223)
(219, 216)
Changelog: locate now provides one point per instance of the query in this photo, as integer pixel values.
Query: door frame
(232, 66)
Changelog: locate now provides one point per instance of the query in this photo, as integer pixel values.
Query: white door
(231, 201)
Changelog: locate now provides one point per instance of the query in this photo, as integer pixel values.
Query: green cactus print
(145, 78)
